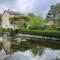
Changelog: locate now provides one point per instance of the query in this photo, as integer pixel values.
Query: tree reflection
(28, 45)
(37, 47)
(1, 45)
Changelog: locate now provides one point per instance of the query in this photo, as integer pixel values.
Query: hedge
(50, 33)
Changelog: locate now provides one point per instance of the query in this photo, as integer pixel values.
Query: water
(33, 50)
(1, 39)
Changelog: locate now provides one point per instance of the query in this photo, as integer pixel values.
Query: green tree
(58, 20)
(37, 22)
(0, 18)
(53, 12)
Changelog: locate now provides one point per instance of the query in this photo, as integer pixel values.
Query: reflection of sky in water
(28, 55)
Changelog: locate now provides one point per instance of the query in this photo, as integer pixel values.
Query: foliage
(37, 47)
(2, 30)
(58, 20)
(0, 17)
(50, 33)
(19, 21)
(53, 12)
(36, 22)
(30, 14)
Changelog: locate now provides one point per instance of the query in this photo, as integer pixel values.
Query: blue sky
(40, 7)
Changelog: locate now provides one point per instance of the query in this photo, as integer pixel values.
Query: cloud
(40, 7)
(25, 5)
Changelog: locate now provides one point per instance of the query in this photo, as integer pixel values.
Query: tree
(0, 18)
(53, 12)
(36, 22)
(58, 20)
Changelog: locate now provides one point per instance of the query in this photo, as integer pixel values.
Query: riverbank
(49, 33)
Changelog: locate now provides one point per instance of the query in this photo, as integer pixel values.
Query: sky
(40, 7)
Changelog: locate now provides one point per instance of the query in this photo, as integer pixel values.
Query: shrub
(50, 33)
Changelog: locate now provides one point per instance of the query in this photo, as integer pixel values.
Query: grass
(50, 33)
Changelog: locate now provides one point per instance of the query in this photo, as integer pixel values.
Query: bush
(36, 22)
(50, 33)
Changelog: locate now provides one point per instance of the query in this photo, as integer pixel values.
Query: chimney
(8, 9)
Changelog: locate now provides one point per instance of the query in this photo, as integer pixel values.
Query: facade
(5, 18)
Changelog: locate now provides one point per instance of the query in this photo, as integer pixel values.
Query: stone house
(5, 18)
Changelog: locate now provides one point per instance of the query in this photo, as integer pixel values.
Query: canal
(32, 50)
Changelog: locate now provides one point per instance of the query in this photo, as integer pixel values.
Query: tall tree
(53, 12)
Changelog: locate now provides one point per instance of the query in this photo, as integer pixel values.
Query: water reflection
(2, 54)
(35, 46)
(28, 55)
(33, 50)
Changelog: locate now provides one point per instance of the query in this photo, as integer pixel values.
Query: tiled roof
(13, 12)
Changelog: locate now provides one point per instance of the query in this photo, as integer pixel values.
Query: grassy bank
(50, 33)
